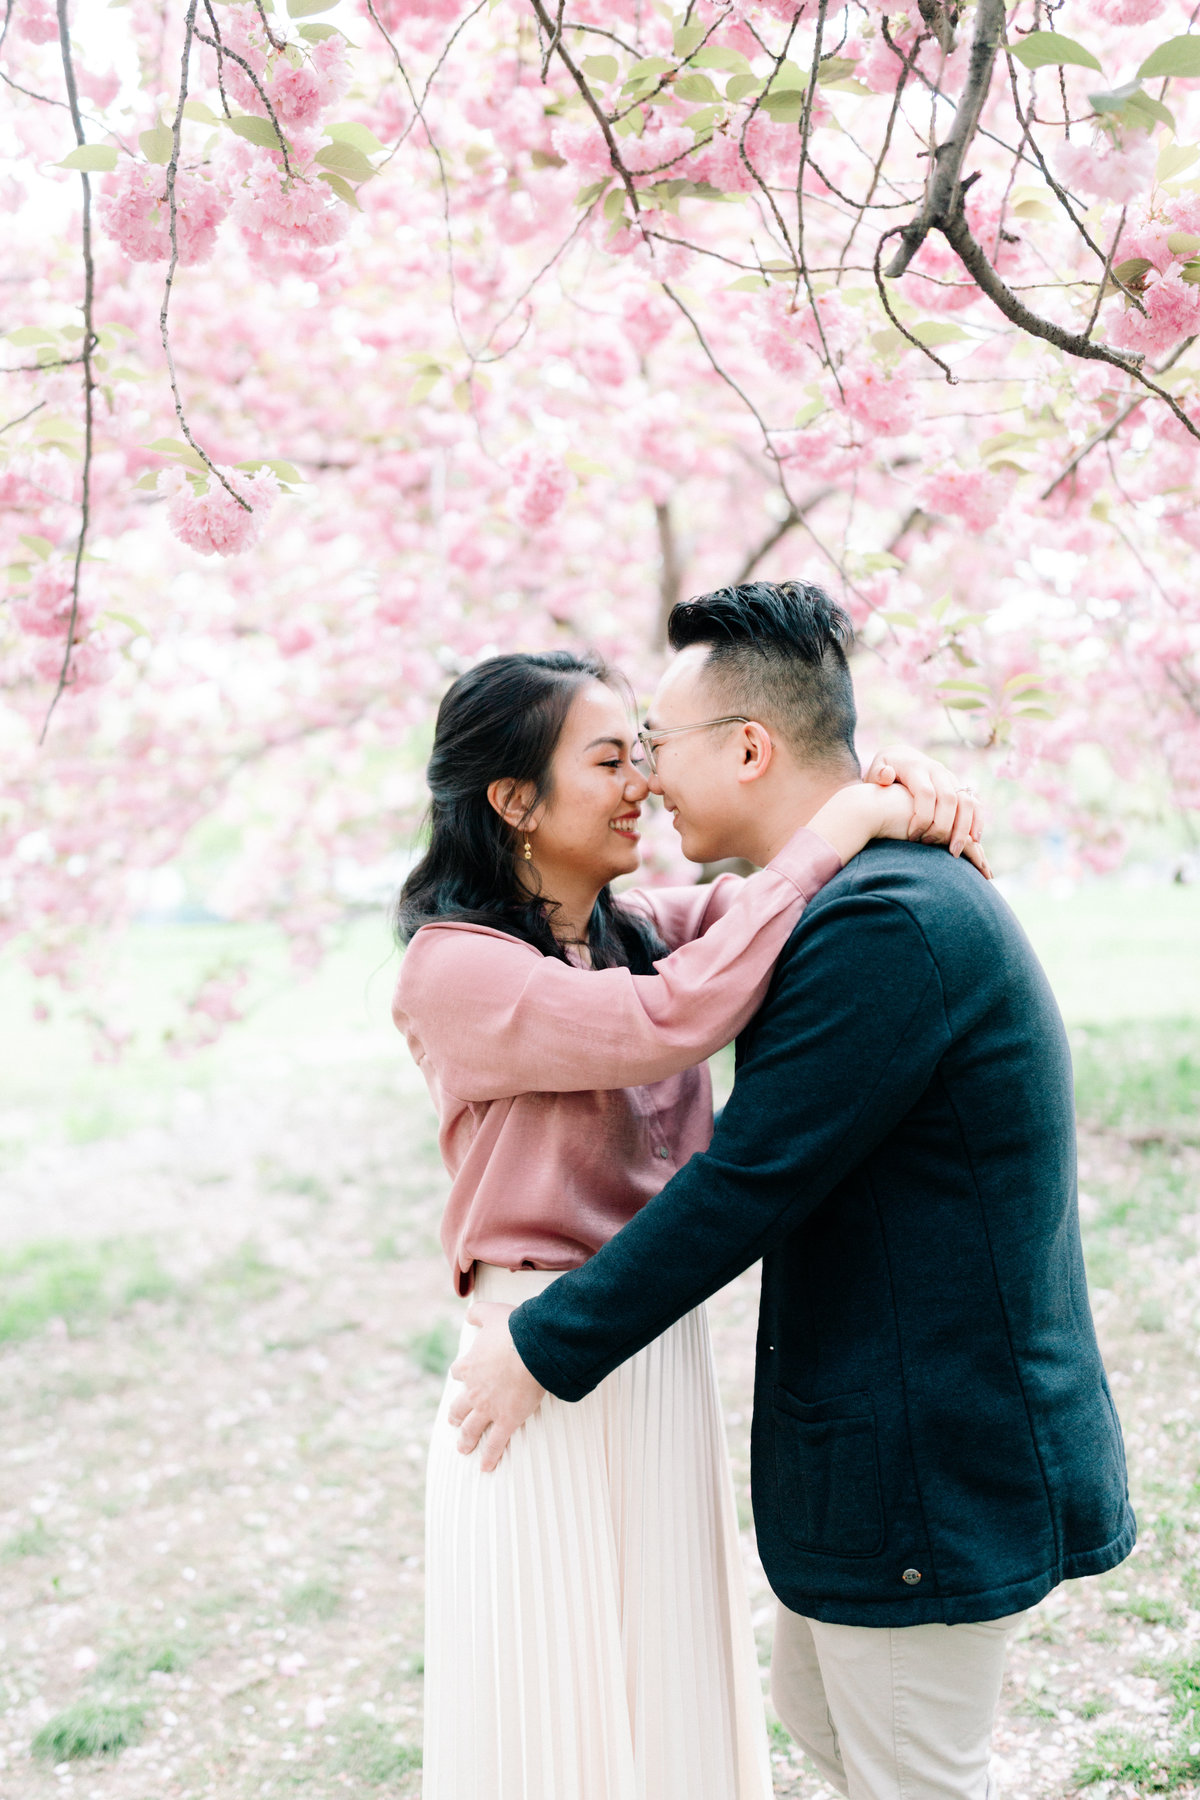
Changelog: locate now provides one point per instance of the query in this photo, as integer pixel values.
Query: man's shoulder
(923, 878)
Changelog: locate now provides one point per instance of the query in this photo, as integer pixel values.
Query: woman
(588, 1634)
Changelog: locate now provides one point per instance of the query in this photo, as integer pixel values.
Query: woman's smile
(626, 824)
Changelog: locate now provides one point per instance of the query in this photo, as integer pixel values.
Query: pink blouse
(527, 1059)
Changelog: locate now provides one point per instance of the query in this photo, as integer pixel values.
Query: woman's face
(588, 825)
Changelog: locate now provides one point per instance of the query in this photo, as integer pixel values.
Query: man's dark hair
(777, 653)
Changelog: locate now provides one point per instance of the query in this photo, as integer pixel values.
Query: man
(934, 1443)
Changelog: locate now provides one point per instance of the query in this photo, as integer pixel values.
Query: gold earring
(528, 852)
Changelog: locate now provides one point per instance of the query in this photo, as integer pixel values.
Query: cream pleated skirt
(587, 1627)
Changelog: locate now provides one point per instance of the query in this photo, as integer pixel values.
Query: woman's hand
(943, 812)
(873, 809)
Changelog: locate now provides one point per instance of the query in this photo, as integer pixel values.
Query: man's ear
(756, 751)
(513, 801)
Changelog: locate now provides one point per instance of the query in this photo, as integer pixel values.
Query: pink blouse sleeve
(681, 914)
(495, 1018)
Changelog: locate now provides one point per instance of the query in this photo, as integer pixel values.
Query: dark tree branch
(958, 235)
(1109, 431)
(20, 420)
(943, 188)
(795, 516)
(172, 170)
(670, 570)
(87, 351)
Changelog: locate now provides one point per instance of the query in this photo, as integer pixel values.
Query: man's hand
(498, 1392)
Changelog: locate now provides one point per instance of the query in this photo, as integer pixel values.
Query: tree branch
(795, 516)
(87, 351)
(942, 193)
(970, 253)
(189, 30)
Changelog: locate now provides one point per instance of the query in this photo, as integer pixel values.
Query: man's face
(697, 771)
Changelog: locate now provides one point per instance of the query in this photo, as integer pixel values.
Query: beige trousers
(892, 1714)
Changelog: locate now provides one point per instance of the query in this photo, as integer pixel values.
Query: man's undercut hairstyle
(777, 653)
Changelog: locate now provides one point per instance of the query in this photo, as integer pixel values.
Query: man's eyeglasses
(649, 739)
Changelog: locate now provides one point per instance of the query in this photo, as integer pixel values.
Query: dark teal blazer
(934, 1438)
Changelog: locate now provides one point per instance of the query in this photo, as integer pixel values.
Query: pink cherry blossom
(135, 211)
(886, 403)
(540, 485)
(1172, 312)
(209, 519)
(37, 21)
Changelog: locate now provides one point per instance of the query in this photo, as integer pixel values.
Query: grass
(32, 1540)
(312, 1602)
(1128, 1758)
(434, 1350)
(134, 1663)
(1147, 1609)
(78, 1283)
(90, 1728)
(372, 1751)
(1143, 1077)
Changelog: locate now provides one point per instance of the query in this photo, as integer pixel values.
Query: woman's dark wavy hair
(503, 720)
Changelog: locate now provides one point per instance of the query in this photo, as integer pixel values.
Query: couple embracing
(934, 1443)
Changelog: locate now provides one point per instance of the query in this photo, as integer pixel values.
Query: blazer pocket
(827, 1474)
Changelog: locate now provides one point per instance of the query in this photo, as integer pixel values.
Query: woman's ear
(512, 800)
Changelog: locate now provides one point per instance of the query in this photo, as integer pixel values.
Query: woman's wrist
(849, 819)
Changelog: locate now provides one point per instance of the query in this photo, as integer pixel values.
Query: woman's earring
(528, 852)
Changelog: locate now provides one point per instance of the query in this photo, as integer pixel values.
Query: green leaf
(740, 87)
(148, 482)
(966, 704)
(31, 334)
(423, 386)
(1190, 273)
(786, 108)
(202, 114)
(41, 547)
(1178, 56)
(1131, 271)
(835, 68)
(341, 188)
(900, 618)
(588, 195)
(346, 161)
(165, 446)
(973, 687)
(1174, 159)
(937, 331)
(696, 87)
(317, 34)
(703, 119)
(96, 158)
(157, 145)
(359, 137)
(600, 68)
(614, 206)
(584, 465)
(255, 131)
(547, 159)
(747, 284)
(788, 79)
(1142, 109)
(1042, 47)
(719, 56)
(283, 471)
(650, 66)
(688, 39)
(304, 9)
(1183, 243)
(134, 625)
(807, 414)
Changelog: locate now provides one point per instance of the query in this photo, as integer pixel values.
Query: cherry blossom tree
(347, 344)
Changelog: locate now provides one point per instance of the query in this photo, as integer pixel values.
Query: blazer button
(911, 1577)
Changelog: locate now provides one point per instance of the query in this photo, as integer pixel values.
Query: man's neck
(800, 794)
